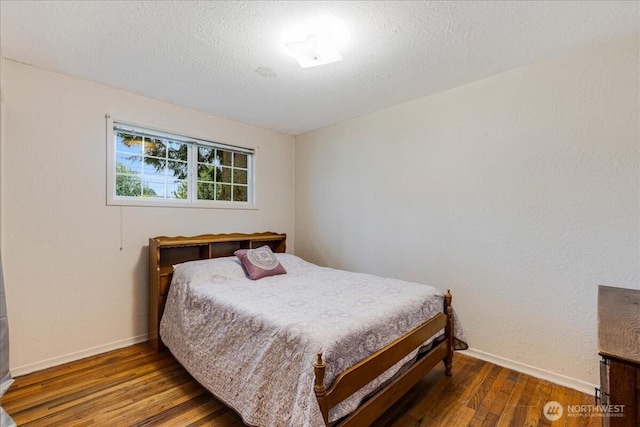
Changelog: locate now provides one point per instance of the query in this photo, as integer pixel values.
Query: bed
(312, 347)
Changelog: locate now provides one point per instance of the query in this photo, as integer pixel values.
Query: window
(151, 166)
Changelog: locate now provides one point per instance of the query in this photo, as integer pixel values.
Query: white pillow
(209, 270)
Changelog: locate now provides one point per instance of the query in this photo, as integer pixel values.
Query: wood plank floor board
(139, 387)
(483, 388)
(518, 384)
(440, 396)
(98, 395)
(543, 393)
(525, 400)
(58, 387)
(110, 360)
(490, 396)
(184, 412)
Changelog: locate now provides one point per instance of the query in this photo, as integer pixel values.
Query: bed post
(448, 332)
(320, 389)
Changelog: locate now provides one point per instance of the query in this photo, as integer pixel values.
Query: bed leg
(448, 332)
(320, 389)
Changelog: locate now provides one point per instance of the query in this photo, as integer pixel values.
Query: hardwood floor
(136, 386)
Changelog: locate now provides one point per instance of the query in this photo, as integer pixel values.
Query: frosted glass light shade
(314, 51)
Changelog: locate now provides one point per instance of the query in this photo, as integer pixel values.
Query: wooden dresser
(619, 345)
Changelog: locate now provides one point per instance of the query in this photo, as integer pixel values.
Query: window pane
(177, 151)
(154, 168)
(206, 191)
(224, 175)
(239, 160)
(128, 143)
(206, 173)
(224, 157)
(129, 186)
(224, 192)
(239, 193)
(177, 169)
(178, 190)
(155, 147)
(239, 176)
(127, 163)
(206, 155)
(153, 188)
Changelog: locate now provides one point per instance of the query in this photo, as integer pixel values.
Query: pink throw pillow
(260, 262)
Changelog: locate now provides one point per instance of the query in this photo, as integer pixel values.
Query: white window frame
(192, 160)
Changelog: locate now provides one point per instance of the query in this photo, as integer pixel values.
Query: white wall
(518, 192)
(70, 290)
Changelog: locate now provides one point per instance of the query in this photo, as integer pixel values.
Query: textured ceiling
(228, 58)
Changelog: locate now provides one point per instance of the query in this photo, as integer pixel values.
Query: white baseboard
(553, 377)
(71, 357)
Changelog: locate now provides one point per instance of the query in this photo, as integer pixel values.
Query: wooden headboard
(165, 252)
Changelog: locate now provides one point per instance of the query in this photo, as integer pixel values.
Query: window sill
(181, 204)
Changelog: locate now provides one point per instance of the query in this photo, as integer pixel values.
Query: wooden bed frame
(164, 252)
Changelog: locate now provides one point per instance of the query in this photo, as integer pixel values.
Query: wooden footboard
(356, 377)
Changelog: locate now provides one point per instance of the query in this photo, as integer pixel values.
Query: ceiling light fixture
(313, 51)
(316, 42)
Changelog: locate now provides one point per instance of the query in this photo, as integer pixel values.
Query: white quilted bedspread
(253, 343)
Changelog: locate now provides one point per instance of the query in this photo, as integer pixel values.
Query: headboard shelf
(165, 252)
(181, 241)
